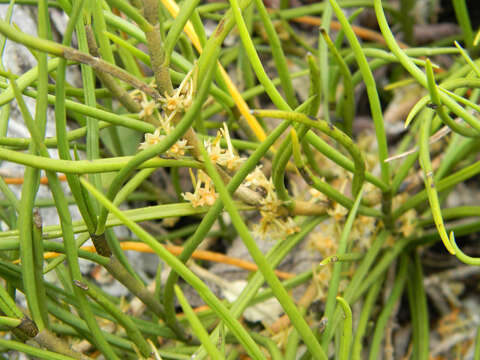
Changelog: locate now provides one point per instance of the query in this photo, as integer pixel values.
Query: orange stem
(361, 32)
(176, 250)
(19, 181)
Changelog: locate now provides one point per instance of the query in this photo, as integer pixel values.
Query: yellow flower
(138, 95)
(204, 193)
(258, 179)
(338, 212)
(317, 195)
(290, 226)
(176, 150)
(148, 108)
(151, 139)
(223, 157)
(181, 99)
(272, 225)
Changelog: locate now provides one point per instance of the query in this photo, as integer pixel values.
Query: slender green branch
(353, 290)
(346, 337)
(361, 329)
(177, 265)
(69, 53)
(132, 13)
(213, 213)
(132, 331)
(278, 55)
(425, 163)
(440, 109)
(156, 48)
(416, 72)
(157, 149)
(197, 326)
(330, 130)
(336, 277)
(34, 351)
(92, 167)
(108, 81)
(348, 98)
(371, 91)
(395, 295)
(461, 11)
(418, 309)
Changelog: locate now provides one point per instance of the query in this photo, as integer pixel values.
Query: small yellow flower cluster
(151, 139)
(148, 106)
(176, 150)
(204, 190)
(272, 224)
(317, 196)
(338, 212)
(171, 105)
(204, 193)
(182, 98)
(226, 158)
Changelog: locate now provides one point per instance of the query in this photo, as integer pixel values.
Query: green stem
(278, 54)
(418, 310)
(180, 268)
(67, 230)
(323, 62)
(425, 163)
(196, 325)
(337, 267)
(264, 266)
(440, 109)
(461, 12)
(387, 309)
(346, 337)
(132, 331)
(357, 281)
(69, 53)
(416, 72)
(476, 354)
(361, 329)
(346, 257)
(372, 92)
(26, 80)
(92, 136)
(92, 167)
(132, 13)
(8, 305)
(315, 85)
(347, 102)
(279, 251)
(156, 48)
(9, 322)
(33, 351)
(330, 130)
(184, 14)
